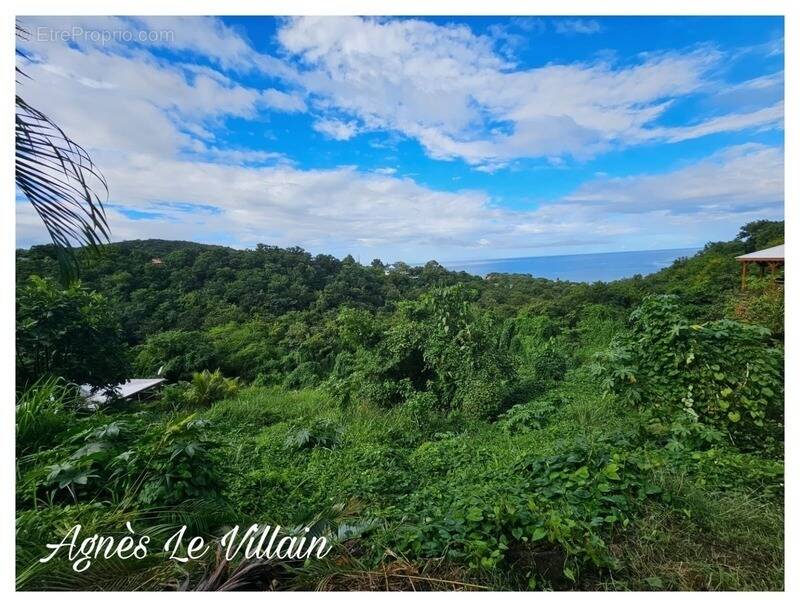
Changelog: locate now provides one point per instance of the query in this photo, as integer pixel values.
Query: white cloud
(738, 178)
(336, 129)
(151, 126)
(284, 101)
(237, 156)
(768, 117)
(447, 88)
(207, 37)
(131, 102)
(117, 97)
(348, 211)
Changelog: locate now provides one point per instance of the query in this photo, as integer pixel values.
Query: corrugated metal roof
(771, 254)
(124, 390)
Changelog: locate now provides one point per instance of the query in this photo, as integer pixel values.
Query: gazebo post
(772, 268)
(771, 258)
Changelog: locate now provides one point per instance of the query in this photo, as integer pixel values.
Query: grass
(728, 541)
(392, 465)
(714, 540)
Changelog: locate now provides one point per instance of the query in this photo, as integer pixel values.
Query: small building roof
(771, 254)
(124, 390)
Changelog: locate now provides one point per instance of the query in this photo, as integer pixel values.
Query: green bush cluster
(723, 373)
(72, 333)
(441, 345)
(319, 433)
(205, 388)
(530, 512)
(761, 303)
(530, 416)
(133, 458)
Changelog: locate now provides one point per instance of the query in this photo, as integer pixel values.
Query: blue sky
(446, 138)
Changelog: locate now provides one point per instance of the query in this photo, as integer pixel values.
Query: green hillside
(444, 431)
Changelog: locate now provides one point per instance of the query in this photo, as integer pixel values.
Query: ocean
(588, 267)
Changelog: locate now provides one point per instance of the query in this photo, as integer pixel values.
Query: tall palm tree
(60, 180)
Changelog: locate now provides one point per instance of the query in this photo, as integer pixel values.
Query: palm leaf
(59, 179)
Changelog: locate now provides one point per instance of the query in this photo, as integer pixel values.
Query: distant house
(133, 389)
(156, 261)
(771, 258)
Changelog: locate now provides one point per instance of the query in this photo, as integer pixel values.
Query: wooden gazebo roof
(771, 258)
(765, 255)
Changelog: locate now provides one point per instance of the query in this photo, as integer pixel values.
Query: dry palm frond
(246, 574)
(400, 574)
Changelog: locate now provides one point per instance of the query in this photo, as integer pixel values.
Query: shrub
(177, 353)
(442, 344)
(595, 329)
(303, 375)
(173, 396)
(481, 397)
(421, 405)
(72, 333)
(43, 411)
(129, 460)
(762, 303)
(723, 373)
(207, 388)
(562, 505)
(320, 433)
(174, 464)
(529, 416)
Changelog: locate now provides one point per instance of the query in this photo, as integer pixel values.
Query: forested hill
(507, 433)
(160, 285)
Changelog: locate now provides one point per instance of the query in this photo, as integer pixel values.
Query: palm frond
(60, 180)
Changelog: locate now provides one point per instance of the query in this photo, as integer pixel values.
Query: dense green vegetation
(445, 431)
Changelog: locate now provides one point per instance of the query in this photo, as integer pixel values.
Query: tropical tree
(71, 333)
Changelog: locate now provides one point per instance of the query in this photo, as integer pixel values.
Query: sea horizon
(577, 267)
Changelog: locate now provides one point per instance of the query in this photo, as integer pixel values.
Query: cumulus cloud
(737, 178)
(446, 87)
(336, 129)
(286, 102)
(153, 127)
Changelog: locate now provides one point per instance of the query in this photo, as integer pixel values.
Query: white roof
(771, 254)
(124, 390)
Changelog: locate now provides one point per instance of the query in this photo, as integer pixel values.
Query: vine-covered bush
(530, 416)
(723, 373)
(762, 303)
(440, 344)
(555, 509)
(177, 354)
(324, 433)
